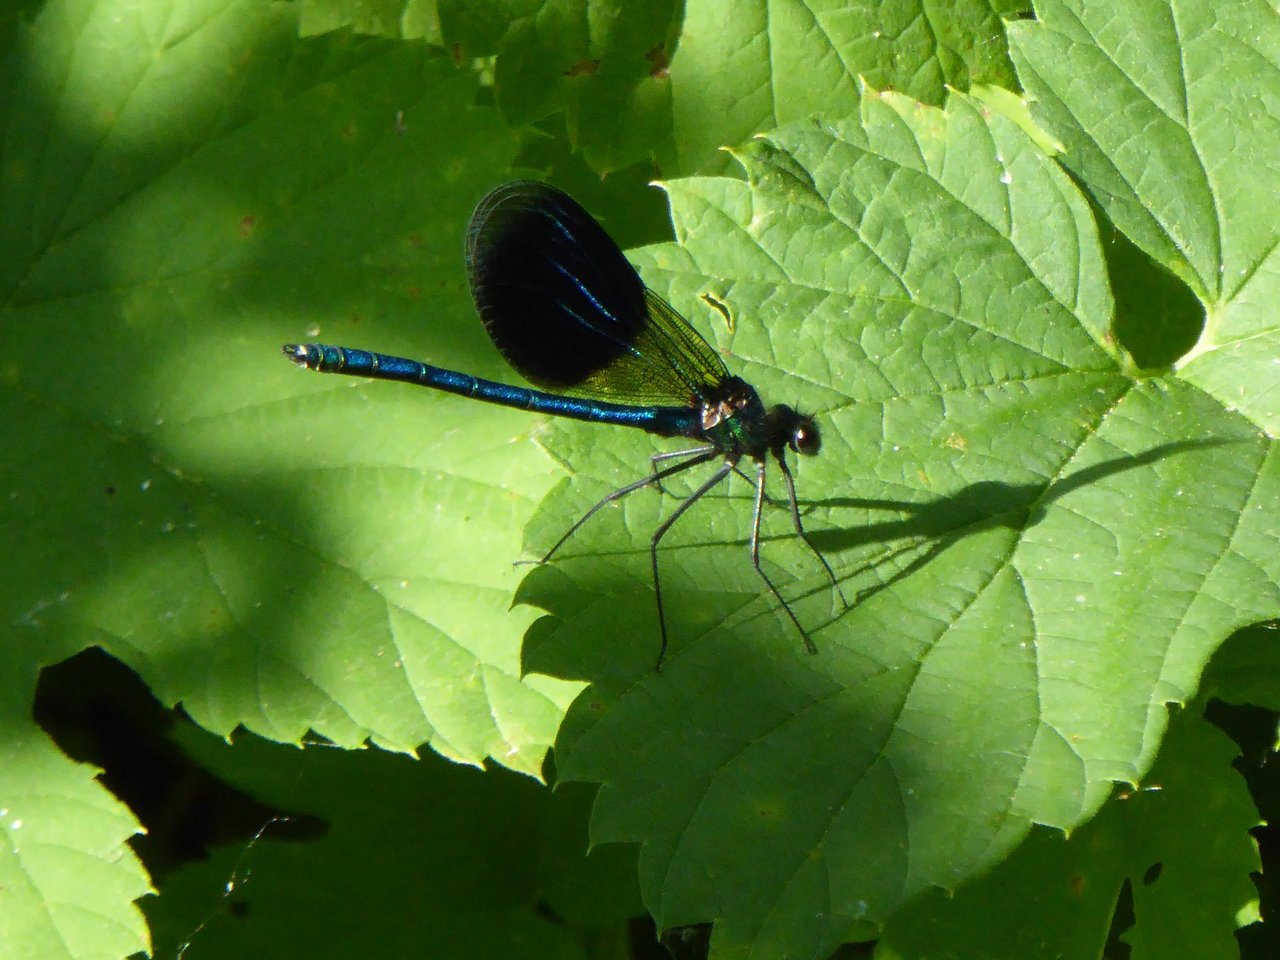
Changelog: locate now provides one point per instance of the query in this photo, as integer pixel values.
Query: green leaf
(735, 69)
(603, 63)
(1005, 499)
(750, 66)
(65, 881)
(1044, 541)
(187, 521)
(403, 19)
(1175, 136)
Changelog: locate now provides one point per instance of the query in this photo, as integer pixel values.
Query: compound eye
(805, 438)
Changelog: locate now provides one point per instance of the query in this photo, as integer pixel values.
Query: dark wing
(569, 312)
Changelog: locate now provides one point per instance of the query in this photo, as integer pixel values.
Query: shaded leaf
(185, 187)
(429, 854)
(1178, 848)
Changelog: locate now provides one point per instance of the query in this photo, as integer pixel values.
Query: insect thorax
(734, 420)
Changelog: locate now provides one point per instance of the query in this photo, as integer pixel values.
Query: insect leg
(755, 556)
(656, 477)
(673, 455)
(795, 518)
(661, 531)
